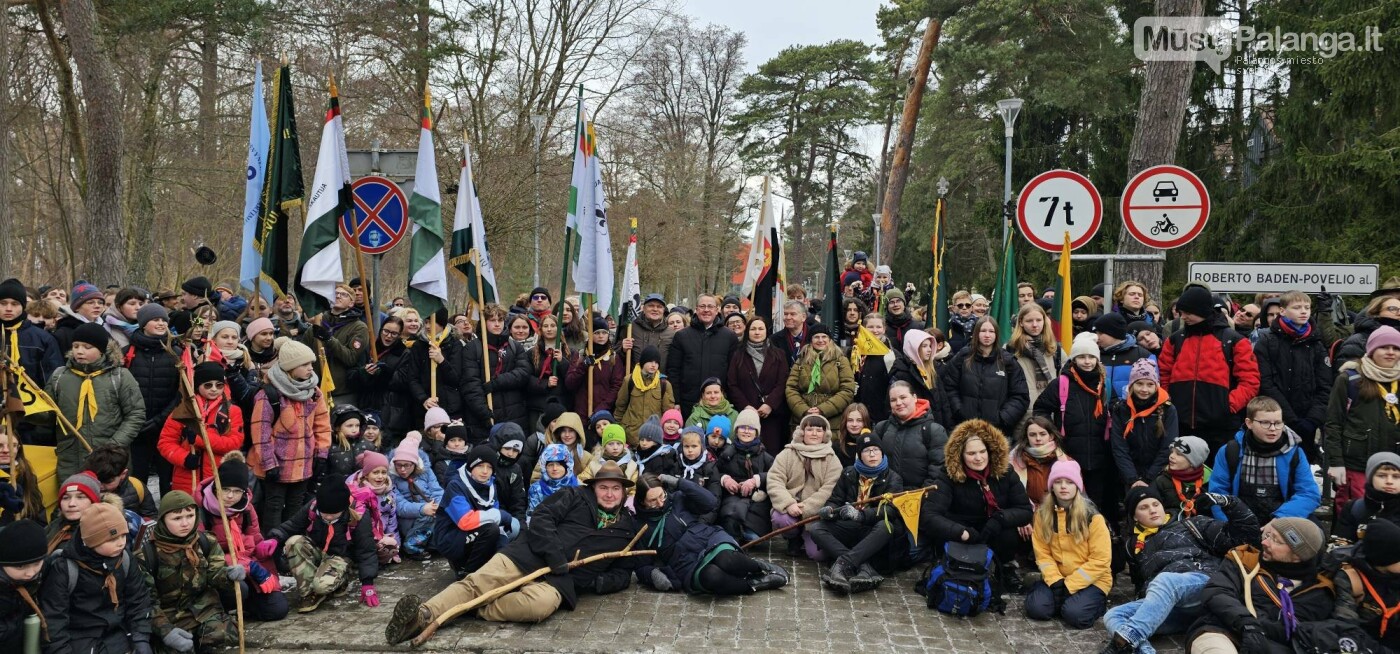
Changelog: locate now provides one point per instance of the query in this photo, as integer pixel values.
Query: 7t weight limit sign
(1055, 202)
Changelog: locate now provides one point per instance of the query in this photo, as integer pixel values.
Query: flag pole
(568, 238)
(485, 347)
(588, 354)
(364, 283)
(627, 369)
(432, 365)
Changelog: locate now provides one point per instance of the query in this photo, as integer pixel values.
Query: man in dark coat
(575, 522)
(650, 328)
(1293, 369)
(699, 352)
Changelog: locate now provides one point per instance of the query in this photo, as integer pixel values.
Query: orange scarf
(1098, 394)
(1162, 399)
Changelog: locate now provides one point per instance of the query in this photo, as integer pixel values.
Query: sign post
(1336, 278)
(1055, 202)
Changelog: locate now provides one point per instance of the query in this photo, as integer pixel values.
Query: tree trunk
(899, 168)
(1161, 115)
(103, 231)
(142, 203)
(67, 93)
(208, 93)
(7, 224)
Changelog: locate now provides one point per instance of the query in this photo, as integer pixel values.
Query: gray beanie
(1379, 459)
(651, 430)
(226, 324)
(150, 311)
(1193, 448)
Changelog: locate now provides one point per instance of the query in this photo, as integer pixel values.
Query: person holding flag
(26, 344)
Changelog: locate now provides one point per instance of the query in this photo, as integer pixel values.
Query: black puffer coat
(1085, 436)
(353, 542)
(682, 539)
(1195, 544)
(742, 465)
(381, 391)
(1314, 598)
(914, 446)
(510, 383)
(414, 377)
(157, 375)
(992, 388)
(13, 611)
(697, 354)
(86, 619)
(939, 405)
(565, 526)
(1294, 372)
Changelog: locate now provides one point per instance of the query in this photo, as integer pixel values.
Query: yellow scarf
(87, 397)
(639, 383)
(1392, 411)
(1141, 534)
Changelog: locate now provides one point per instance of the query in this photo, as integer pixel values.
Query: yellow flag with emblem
(908, 506)
(866, 344)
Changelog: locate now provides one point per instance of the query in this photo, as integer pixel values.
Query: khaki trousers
(532, 602)
(1213, 642)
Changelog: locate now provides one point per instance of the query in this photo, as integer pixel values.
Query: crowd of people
(1236, 464)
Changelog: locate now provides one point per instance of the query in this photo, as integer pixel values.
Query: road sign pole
(1109, 259)
(374, 275)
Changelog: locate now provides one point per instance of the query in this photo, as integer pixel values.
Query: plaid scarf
(1258, 469)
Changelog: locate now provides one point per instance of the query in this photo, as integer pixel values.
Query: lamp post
(1009, 109)
(537, 126)
(877, 217)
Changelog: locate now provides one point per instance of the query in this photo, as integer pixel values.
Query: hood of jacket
(998, 451)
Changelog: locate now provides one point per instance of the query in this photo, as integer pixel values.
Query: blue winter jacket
(410, 505)
(1300, 498)
(1118, 364)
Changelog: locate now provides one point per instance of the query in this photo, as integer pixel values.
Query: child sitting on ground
(417, 495)
(1074, 552)
(93, 594)
(75, 495)
(1185, 476)
(452, 450)
(21, 562)
(557, 473)
(653, 455)
(613, 448)
(185, 570)
(473, 525)
(263, 599)
(716, 434)
(372, 496)
(325, 541)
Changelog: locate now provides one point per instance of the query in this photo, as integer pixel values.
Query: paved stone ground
(801, 617)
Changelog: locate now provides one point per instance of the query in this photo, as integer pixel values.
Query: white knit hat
(1085, 343)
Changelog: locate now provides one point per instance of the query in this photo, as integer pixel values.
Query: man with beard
(650, 327)
(573, 523)
(342, 333)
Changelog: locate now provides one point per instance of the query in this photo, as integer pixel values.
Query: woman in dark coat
(875, 373)
(549, 365)
(609, 367)
(378, 392)
(152, 359)
(751, 387)
(984, 381)
(979, 499)
(918, 366)
(691, 555)
(1083, 424)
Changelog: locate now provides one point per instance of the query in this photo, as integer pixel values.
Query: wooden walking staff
(63, 421)
(799, 523)
(187, 387)
(364, 289)
(491, 596)
(481, 313)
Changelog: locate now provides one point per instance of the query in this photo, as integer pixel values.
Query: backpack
(1227, 337)
(961, 584)
(73, 571)
(1064, 401)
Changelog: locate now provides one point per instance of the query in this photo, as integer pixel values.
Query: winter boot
(795, 548)
(838, 577)
(774, 577)
(865, 579)
(1011, 580)
(1117, 645)
(410, 618)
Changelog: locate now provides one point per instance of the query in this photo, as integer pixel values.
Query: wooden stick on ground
(799, 523)
(487, 598)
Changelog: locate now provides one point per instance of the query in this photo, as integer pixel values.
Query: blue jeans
(1172, 603)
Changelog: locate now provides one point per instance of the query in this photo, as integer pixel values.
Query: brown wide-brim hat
(610, 471)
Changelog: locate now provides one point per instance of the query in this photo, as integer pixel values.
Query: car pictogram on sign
(1165, 189)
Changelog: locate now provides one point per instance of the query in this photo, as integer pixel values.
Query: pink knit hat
(1383, 335)
(408, 449)
(1065, 470)
(435, 416)
(672, 414)
(1143, 369)
(259, 326)
(369, 460)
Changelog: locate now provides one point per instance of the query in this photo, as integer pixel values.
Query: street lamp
(877, 217)
(537, 126)
(942, 186)
(1009, 109)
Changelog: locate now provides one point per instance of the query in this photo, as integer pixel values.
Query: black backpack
(961, 584)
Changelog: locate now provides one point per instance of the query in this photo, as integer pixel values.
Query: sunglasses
(964, 305)
(538, 296)
(212, 384)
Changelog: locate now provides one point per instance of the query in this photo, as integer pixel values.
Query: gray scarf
(757, 351)
(298, 391)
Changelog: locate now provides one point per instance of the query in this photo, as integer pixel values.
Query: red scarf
(987, 496)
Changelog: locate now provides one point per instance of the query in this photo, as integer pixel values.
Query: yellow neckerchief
(638, 380)
(87, 396)
(1141, 534)
(866, 483)
(14, 344)
(1392, 411)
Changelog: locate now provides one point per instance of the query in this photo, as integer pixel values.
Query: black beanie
(11, 289)
(1136, 495)
(93, 334)
(198, 286)
(455, 430)
(233, 474)
(600, 323)
(819, 328)
(553, 408)
(22, 543)
(180, 321)
(1196, 300)
(1381, 543)
(540, 290)
(1112, 324)
(1098, 290)
(333, 496)
(481, 454)
(206, 372)
(649, 355)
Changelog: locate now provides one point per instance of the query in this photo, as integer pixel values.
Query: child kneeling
(1073, 550)
(185, 570)
(320, 542)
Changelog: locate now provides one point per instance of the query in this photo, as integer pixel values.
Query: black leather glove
(273, 475)
(321, 333)
(671, 482)
(1060, 591)
(192, 461)
(1205, 500)
(189, 435)
(588, 360)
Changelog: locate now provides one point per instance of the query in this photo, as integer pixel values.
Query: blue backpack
(961, 584)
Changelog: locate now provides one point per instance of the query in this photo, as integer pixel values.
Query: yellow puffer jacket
(1079, 564)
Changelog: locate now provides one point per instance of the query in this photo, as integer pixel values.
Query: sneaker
(410, 618)
(1117, 645)
(310, 603)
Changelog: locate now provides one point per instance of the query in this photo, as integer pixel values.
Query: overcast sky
(772, 25)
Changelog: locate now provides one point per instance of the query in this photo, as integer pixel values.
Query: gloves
(265, 581)
(1254, 640)
(368, 595)
(192, 461)
(9, 497)
(236, 573)
(560, 568)
(588, 360)
(1060, 591)
(189, 435)
(827, 513)
(143, 647)
(849, 512)
(506, 521)
(659, 580)
(178, 639)
(272, 475)
(265, 549)
(1218, 499)
(321, 333)
(671, 482)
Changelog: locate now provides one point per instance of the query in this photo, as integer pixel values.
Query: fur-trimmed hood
(998, 451)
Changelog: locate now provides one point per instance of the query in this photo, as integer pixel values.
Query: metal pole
(877, 218)
(374, 290)
(1006, 193)
(537, 122)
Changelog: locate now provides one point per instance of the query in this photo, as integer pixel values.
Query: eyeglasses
(539, 296)
(1269, 425)
(391, 332)
(1394, 308)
